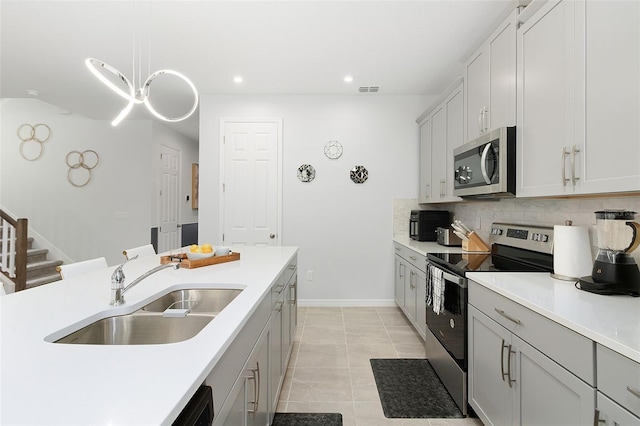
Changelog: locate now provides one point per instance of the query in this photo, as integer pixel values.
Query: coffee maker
(615, 271)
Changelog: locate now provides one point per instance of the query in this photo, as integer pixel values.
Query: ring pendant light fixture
(141, 95)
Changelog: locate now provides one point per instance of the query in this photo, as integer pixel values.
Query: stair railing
(13, 249)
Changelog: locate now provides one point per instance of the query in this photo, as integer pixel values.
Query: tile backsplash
(532, 211)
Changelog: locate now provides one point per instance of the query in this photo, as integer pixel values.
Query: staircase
(40, 270)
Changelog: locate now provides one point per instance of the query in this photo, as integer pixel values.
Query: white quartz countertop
(424, 247)
(613, 321)
(66, 384)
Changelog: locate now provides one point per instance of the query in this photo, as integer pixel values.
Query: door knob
(272, 236)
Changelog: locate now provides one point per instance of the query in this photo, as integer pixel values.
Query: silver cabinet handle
(563, 165)
(633, 391)
(574, 152)
(502, 348)
(402, 270)
(255, 376)
(596, 418)
(480, 119)
(501, 312)
(413, 258)
(484, 119)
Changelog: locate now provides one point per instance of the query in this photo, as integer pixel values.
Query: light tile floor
(330, 372)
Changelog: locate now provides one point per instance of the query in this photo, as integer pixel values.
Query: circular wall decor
(28, 133)
(81, 162)
(359, 174)
(333, 149)
(306, 173)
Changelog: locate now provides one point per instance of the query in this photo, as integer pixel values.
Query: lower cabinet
(511, 382)
(246, 389)
(249, 398)
(411, 287)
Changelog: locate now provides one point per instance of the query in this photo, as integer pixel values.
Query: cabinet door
(546, 393)
(489, 347)
(455, 123)
(424, 192)
(612, 97)
(610, 413)
(421, 302)
(476, 85)
(438, 151)
(410, 293)
(546, 104)
(258, 407)
(401, 272)
(502, 75)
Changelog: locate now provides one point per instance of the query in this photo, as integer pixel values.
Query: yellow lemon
(197, 250)
(193, 248)
(207, 246)
(206, 249)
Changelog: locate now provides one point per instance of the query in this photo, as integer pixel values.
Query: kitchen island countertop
(612, 321)
(49, 383)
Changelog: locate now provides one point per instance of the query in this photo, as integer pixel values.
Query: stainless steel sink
(174, 317)
(210, 301)
(139, 329)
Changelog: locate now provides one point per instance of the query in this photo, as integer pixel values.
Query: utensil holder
(474, 243)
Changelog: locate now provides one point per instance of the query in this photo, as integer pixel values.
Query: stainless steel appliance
(486, 166)
(615, 271)
(447, 237)
(514, 248)
(423, 224)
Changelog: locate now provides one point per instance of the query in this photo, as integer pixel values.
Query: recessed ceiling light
(237, 79)
(348, 79)
(33, 93)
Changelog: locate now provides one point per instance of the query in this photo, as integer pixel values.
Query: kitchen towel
(435, 289)
(572, 252)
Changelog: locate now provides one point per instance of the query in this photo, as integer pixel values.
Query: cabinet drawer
(413, 257)
(573, 351)
(619, 378)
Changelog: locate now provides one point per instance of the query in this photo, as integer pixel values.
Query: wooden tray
(189, 264)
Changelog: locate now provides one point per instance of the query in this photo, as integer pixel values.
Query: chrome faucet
(117, 280)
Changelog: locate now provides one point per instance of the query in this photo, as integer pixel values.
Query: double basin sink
(174, 317)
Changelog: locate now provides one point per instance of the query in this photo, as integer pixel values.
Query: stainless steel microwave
(486, 166)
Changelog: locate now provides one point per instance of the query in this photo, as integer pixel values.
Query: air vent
(368, 89)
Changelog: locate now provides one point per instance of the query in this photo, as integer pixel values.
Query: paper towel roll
(572, 252)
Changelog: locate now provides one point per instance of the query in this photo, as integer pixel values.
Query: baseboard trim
(347, 302)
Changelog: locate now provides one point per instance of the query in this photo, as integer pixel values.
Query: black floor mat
(409, 388)
(307, 419)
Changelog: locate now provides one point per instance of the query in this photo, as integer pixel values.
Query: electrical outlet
(309, 275)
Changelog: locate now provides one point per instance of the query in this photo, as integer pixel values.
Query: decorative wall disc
(306, 173)
(359, 174)
(333, 149)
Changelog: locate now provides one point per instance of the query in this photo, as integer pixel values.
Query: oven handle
(460, 281)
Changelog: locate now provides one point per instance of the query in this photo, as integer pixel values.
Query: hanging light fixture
(141, 95)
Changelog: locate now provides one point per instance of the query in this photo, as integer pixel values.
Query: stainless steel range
(514, 248)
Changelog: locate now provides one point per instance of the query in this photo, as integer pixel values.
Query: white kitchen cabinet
(410, 284)
(618, 388)
(525, 368)
(511, 382)
(610, 413)
(490, 82)
(577, 99)
(441, 130)
(249, 397)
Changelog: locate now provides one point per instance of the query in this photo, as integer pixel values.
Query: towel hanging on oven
(435, 289)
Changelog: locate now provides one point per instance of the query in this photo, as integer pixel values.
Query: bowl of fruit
(196, 252)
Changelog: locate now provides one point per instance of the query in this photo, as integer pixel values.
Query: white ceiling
(290, 47)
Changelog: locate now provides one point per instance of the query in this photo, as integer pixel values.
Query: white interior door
(251, 182)
(168, 237)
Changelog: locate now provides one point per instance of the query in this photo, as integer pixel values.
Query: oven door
(447, 312)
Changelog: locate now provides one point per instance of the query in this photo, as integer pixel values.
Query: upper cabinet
(578, 98)
(490, 82)
(441, 131)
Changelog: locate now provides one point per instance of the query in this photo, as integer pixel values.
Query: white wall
(109, 214)
(344, 230)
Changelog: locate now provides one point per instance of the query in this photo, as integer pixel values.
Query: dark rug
(307, 419)
(409, 388)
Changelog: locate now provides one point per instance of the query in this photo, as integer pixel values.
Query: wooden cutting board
(189, 264)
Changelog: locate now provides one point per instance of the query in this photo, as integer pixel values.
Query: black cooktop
(501, 259)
